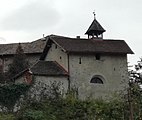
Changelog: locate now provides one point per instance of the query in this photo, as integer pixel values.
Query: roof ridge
(15, 43)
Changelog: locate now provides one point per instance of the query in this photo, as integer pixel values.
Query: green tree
(10, 94)
(19, 63)
(134, 92)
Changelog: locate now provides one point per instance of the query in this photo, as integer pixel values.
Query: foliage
(65, 109)
(10, 94)
(19, 62)
(69, 107)
(32, 115)
(7, 117)
(57, 106)
(134, 91)
(2, 77)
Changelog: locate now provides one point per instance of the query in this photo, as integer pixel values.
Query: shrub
(7, 117)
(32, 115)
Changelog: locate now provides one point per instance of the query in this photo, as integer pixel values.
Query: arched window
(97, 79)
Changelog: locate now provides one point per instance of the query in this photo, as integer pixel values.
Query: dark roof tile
(95, 28)
(48, 68)
(29, 47)
(74, 45)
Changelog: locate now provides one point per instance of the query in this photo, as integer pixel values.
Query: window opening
(98, 57)
(97, 80)
(80, 60)
(55, 46)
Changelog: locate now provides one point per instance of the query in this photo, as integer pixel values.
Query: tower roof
(95, 28)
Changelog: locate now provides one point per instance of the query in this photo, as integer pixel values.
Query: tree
(134, 92)
(19, 63)
(10, 95)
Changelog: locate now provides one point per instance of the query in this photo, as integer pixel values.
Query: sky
(28, 20)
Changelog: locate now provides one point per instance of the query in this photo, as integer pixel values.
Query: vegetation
(10, 94)
(134, 92)
(60, 106)
(43, 102)
(68, 107)
(56, 106)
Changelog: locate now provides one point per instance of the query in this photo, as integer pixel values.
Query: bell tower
(95, 30)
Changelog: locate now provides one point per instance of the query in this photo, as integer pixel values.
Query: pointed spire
(95, 28)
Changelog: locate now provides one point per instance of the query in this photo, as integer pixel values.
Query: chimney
(78, 37)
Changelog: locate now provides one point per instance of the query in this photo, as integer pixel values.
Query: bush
(7, 117)
(32, 115)
(69, 107)
(10, 94)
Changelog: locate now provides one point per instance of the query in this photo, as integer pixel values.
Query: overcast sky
(28, 20)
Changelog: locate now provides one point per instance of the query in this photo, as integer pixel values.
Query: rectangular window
(55, 46)
(80, 60)
(98, 56)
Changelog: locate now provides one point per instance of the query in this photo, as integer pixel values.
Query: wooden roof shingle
(95, 28)
(34, 47)
(74, 45)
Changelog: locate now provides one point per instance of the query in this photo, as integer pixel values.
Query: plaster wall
(55, 53)
(48, 80)
(36, 91)
(113, 68)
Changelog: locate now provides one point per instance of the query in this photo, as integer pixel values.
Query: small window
(80, 60)
(114, 69)
(60, 57)
(97, 79)
(98, 57)
(55, 46)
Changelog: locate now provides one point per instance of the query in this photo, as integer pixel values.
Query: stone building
(32, 50)
(96, 66)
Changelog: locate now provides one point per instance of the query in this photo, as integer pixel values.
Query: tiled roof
(74, 45)
(48, 68)
(44, 68)
(29, 47)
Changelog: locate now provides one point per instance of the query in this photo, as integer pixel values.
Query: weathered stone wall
(48, 80)
(113, 68)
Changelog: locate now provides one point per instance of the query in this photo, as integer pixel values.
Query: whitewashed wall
(113, 68)
(48, 80)
(56, 54)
